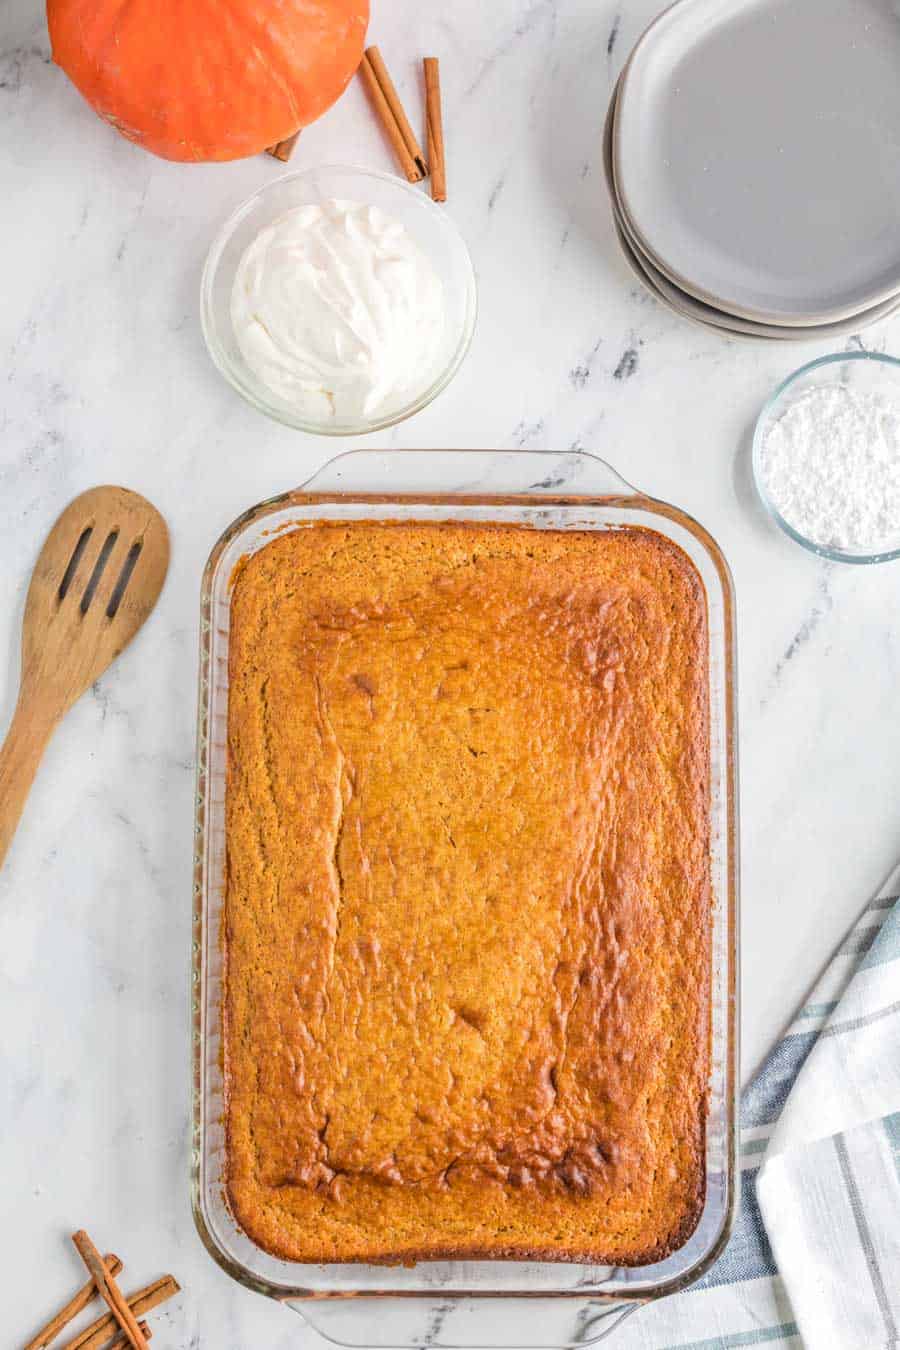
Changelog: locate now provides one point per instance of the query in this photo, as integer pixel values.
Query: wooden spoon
(97, 579)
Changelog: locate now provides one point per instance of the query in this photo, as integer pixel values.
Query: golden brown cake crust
(467, 919)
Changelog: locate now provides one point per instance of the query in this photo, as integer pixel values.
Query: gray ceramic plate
(689, 308)
(757, 154)
(687, 305)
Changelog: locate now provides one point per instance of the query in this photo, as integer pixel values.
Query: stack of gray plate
(752, 153)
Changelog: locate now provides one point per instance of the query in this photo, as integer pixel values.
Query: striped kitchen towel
(814, 1260)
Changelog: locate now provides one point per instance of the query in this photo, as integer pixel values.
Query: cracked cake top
(467, 928)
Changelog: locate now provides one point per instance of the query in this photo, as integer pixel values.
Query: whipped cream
(337, 311)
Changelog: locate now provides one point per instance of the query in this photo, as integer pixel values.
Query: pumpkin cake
(467, 913)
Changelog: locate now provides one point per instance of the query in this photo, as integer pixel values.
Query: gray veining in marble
(105, 378)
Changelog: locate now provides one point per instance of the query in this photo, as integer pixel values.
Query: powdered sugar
(831, 467)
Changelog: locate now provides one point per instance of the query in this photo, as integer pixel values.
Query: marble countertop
(106, 379)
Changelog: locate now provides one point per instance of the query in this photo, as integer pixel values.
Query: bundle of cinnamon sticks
(122, 1325)
(387, 105)
(396, 125)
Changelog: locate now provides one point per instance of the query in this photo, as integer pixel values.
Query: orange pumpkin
(208, 79)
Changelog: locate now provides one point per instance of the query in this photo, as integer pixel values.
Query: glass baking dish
(460, 1303)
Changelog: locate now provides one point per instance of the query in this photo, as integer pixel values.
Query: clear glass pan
(460, 1303)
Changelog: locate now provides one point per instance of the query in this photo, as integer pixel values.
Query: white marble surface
(105, 379)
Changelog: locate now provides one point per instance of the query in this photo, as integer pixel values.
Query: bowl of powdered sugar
(826, 457)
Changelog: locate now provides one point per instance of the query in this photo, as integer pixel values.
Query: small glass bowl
(430, 227)
(870, 371)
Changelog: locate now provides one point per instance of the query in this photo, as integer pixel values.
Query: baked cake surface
(467, 927)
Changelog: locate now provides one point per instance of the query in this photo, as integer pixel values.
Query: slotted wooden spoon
(97, 579)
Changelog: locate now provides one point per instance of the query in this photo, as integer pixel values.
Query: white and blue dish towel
(814, 1259)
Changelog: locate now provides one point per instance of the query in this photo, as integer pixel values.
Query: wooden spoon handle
(20, 756)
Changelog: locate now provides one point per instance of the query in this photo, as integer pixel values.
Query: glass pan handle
(459, 1323)
(470, 472)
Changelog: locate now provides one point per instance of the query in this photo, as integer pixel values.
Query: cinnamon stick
(435, 126)
(388, 121)
(392, 98)
(75, 1305)
(140, 1302)
(120, 1339)
(108, 1289)
(284, 149)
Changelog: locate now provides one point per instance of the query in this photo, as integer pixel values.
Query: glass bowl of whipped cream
(338, 300)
